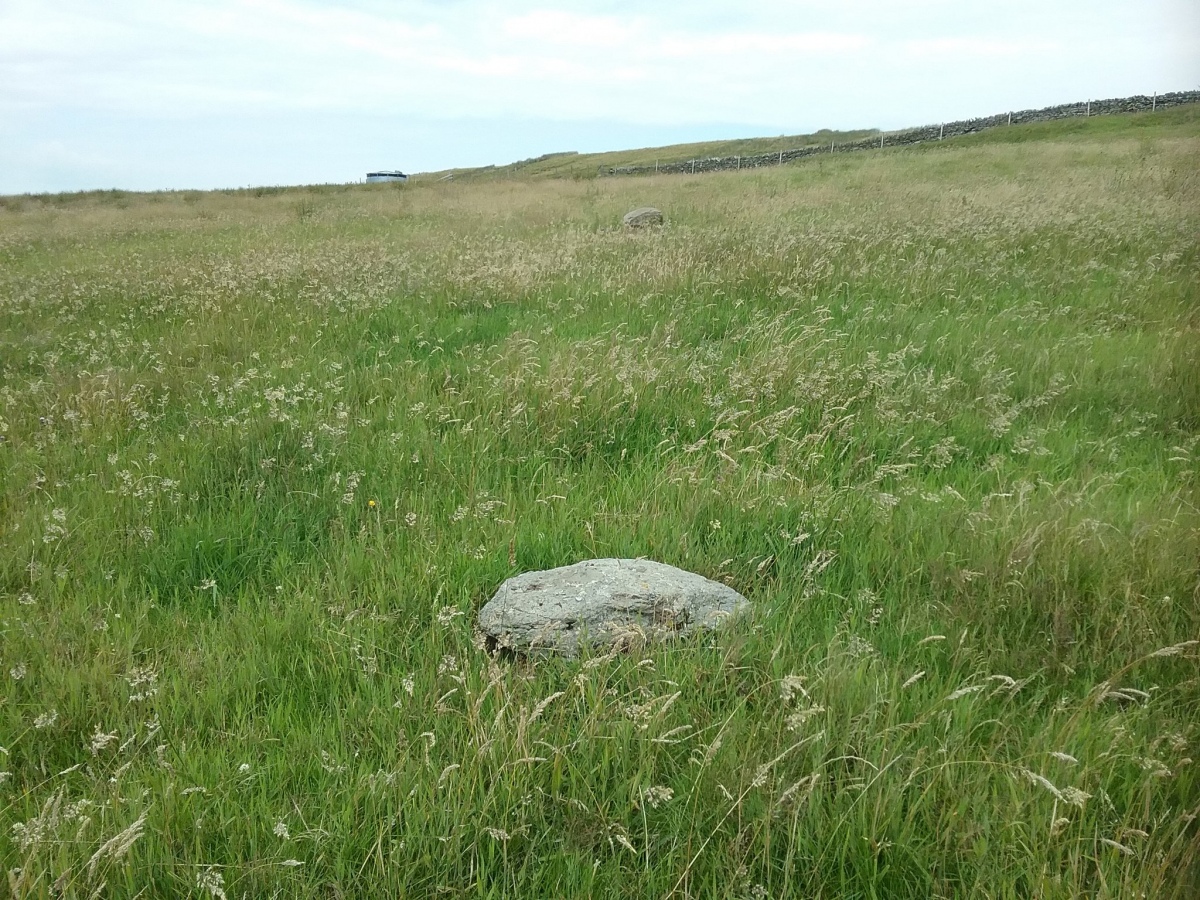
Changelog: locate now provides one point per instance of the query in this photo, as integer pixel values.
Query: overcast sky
(146, 94)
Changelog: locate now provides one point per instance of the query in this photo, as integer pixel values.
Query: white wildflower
(1075, 796)
(281, 831)
(46, 719)
(654, 708)
(859, 648)
(143, 683)
(212, 881)
(797, 719)
(330, 764)
(657, 795)
(790, 686)
(409, 685)
(448, 614)
(33, 831)
(101, 740)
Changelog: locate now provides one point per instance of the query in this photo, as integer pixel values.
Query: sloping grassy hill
(586, 165)
(577, 165)
(935, 411)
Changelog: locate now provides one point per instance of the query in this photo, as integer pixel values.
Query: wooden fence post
(881, 142)
(1010, 118)
(1154, 102)
(942, 133)
(1088, 113)
(781, 157)
(693, 167)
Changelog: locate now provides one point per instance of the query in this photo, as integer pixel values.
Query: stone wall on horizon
(1116, 106)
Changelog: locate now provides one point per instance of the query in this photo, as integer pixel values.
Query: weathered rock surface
(601, 603)
(643, 216)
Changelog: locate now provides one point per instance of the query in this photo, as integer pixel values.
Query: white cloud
(959, 47)
(754, 47)
(555, 27)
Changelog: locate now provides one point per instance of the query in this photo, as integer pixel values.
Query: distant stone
(643, 216)
(603, 603)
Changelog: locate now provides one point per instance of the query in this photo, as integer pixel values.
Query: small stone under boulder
(643, 216)
(602, 603)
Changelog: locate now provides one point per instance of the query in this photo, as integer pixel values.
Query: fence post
(1154, 102)
(831, 146)
(881, 142)
(656, 167)
(1088, 114)
(693, 167)
(739, 164)
(1010, 118)
(781, 157)
(942, 132)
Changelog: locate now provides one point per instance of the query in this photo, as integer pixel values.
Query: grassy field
(936, 412)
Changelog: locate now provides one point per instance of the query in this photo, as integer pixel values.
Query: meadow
(935, 411)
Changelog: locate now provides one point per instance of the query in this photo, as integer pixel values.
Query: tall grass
(935, 413)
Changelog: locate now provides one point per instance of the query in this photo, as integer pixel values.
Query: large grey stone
(601, 603)
(643, 216)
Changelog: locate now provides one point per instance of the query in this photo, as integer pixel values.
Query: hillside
(576, 165)
(990, 129)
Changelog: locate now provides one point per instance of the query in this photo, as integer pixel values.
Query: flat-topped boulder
(643, 216)
(600, 603)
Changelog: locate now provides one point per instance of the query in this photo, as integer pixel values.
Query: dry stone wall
(1140, 103)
